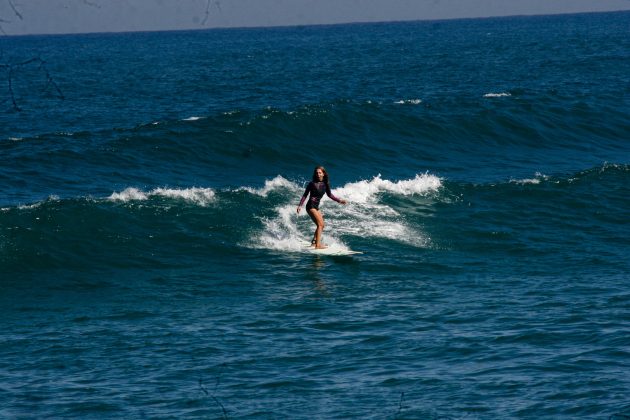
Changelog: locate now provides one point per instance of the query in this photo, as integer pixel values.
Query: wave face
(149, 240)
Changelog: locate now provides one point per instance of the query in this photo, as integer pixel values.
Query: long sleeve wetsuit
(317, 191)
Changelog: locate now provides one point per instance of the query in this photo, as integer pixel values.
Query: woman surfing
(319, 186)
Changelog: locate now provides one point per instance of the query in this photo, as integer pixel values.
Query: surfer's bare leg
(318, 219)
(314, 219)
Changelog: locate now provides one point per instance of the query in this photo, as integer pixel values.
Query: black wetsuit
(317, 191)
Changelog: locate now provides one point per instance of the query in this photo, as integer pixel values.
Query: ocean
(150, 259)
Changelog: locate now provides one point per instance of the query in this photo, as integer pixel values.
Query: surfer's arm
(308, 187)
(332, 197)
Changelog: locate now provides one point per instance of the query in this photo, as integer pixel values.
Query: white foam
(409, 102)
(538, 177)
(288, 232)
(497, 95)
(365, 191)
(192, 118)
(129, 194)
(278, 183)
(280, 232)
(533, 181)
(366, 216)
(199, 196)
(29, 206)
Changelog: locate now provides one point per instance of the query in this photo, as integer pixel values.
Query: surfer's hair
(315, 179)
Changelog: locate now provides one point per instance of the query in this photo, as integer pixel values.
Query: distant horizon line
(369, 22)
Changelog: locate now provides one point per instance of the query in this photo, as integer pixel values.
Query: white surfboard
(334, 250)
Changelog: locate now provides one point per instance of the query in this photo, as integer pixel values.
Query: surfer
(317, 187)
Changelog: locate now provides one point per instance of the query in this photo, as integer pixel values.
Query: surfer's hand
(298, 209)
(344, 202)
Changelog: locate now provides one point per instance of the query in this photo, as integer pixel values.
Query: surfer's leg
(318, 219)
(314, 219)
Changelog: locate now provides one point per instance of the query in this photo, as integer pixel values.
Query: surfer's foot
(321, 247)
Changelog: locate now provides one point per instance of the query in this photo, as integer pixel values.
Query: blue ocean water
(149, 248)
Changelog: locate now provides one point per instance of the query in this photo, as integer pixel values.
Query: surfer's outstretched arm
(332, 197)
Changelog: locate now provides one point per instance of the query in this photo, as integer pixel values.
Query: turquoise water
(149, 247)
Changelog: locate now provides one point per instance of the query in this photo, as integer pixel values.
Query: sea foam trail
(364, 216)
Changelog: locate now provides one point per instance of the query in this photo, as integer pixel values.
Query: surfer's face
(320, 174)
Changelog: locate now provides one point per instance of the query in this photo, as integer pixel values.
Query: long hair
(326, 181)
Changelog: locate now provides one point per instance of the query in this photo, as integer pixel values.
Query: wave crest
(199, 196)
(365, 191)
(277, 183)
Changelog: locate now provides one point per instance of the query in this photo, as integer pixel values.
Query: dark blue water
(150, 263)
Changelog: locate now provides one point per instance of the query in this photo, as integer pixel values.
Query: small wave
(606, 166)
(364, 191)
(199, 196)
(50, 198)
(129, 194)
(606, 177)
(497, 95)
(538, 178)
(192, 118)
(31, 206)
(279, 182)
